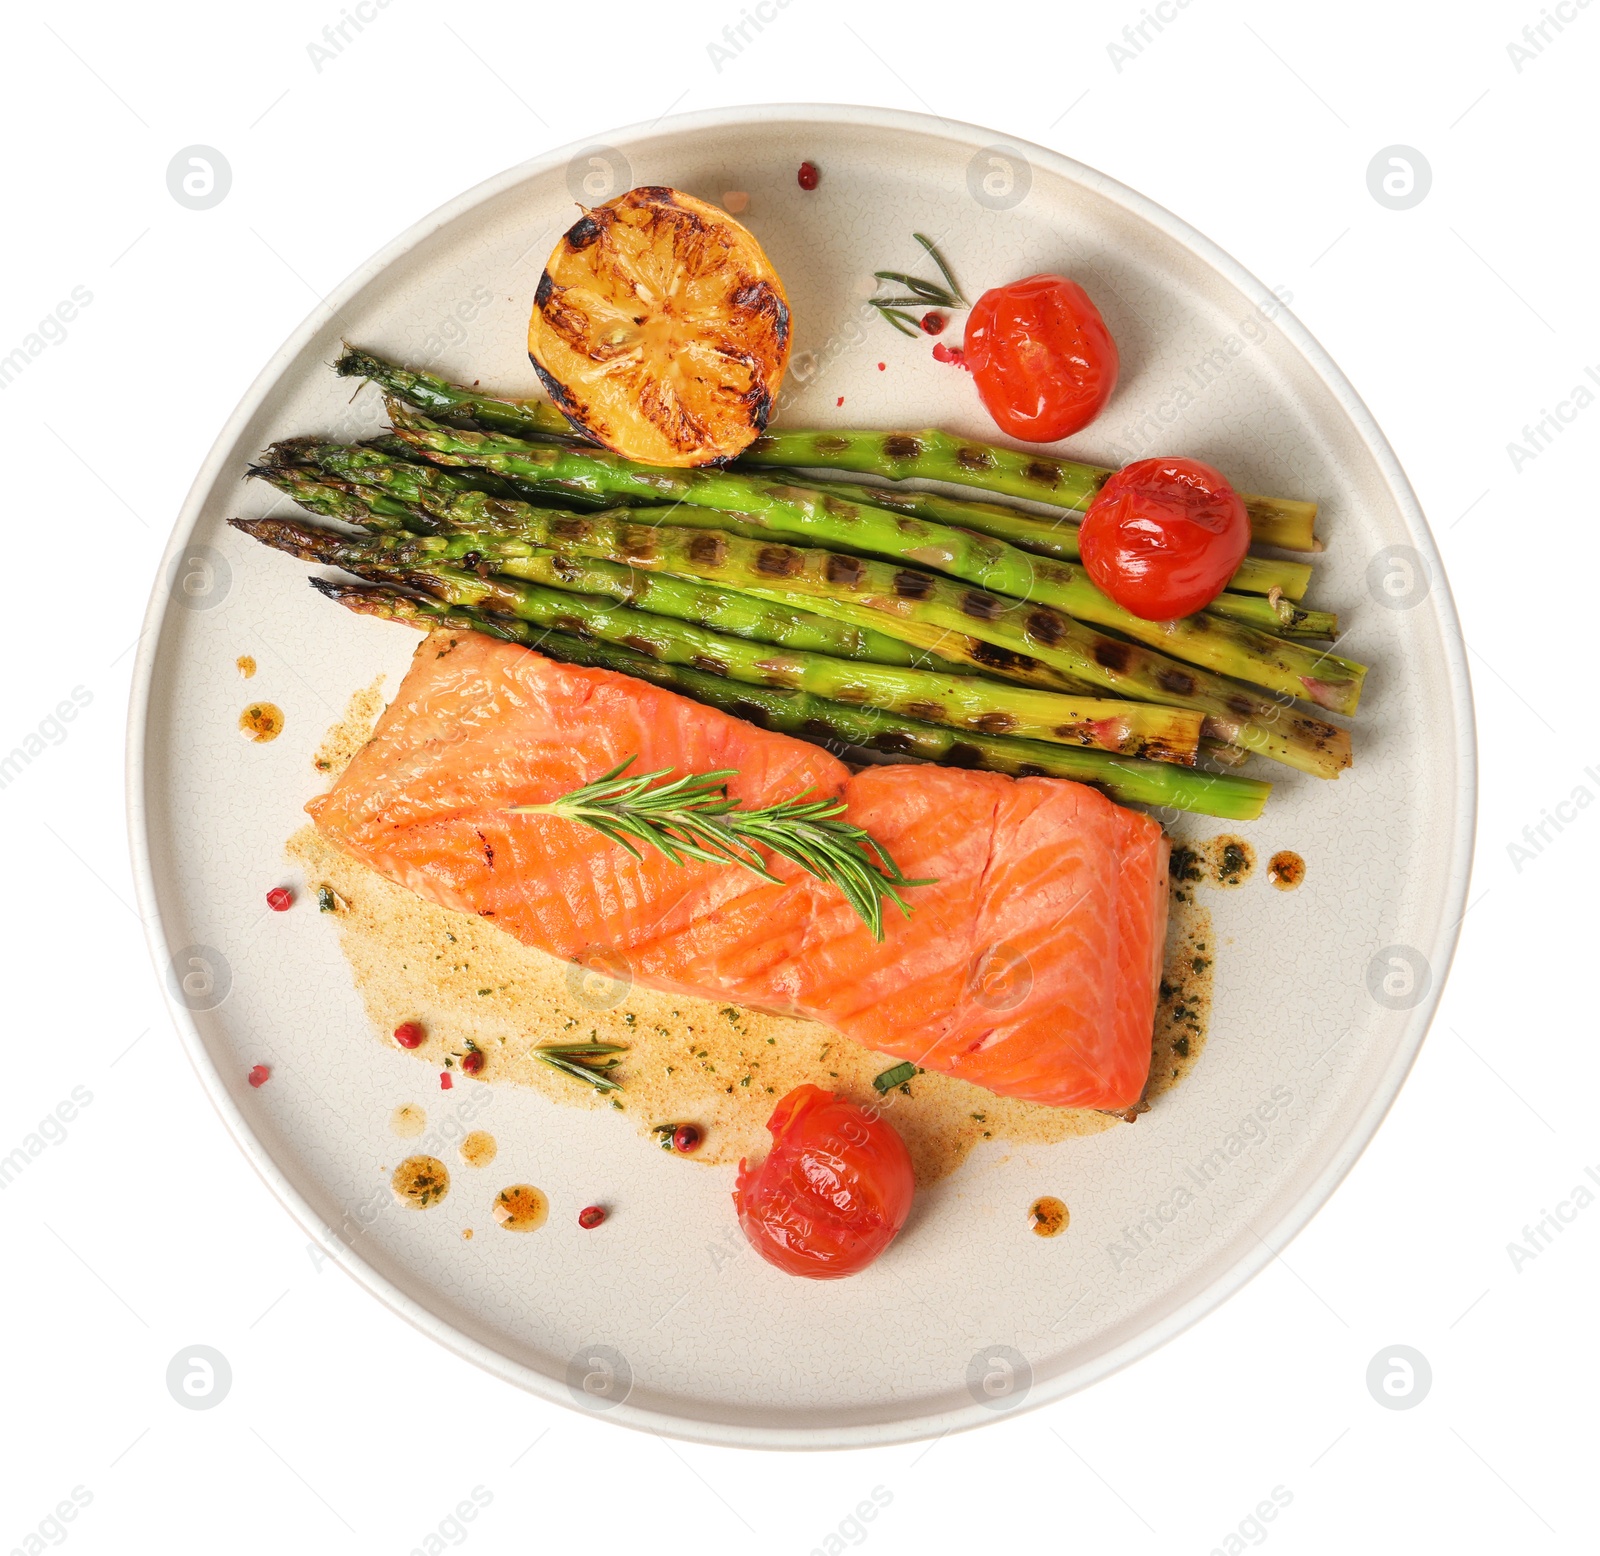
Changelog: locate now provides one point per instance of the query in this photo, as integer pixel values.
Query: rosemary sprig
(584, 1061)
(693, 818)
(924, 294)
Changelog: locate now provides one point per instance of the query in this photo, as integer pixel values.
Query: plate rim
(1168, 1326)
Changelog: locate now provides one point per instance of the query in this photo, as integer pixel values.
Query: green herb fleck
(897, 1076)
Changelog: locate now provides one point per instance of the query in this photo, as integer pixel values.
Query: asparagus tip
(305, 541)
(287, 451)
(349, 594)
(367, 598)
(353, 362)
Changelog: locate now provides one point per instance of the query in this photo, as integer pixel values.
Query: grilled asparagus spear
(897, 456)
(374, 501)
(1225, 647)
(962, 702)
(1129, 780)
(934, 455)
(719, 608)
(1001, 636)
(1279, 616)
(1055, 536)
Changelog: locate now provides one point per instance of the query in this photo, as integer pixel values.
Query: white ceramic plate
(1322, 995)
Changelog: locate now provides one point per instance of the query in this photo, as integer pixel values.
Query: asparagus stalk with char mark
(509, 530)
(935, 455)
(896, 456)
(720, 608)
(1000, 635)
(967, 703)
(1128, 780)
(1055, 536)
(1214, 643)
(366, 462)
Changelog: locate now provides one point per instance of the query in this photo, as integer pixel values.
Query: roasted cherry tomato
(1164, 536)
(833, 1191)
(1043, 359)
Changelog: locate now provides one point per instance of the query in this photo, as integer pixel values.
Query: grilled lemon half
(660, 329)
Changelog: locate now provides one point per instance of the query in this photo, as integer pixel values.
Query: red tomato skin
(1042, 357)
(833, 1191)
(1163, 537)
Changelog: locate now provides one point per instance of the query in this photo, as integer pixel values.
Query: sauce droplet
(261, 722)
(479, 1148)
(521, 1208)
(1286, 870)
(408, 1120)
(1048, 1216)
(420, 1181)
(245, 665)
(1232, 860)
(1223, 861)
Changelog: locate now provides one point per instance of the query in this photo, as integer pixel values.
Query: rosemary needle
(944, 269)
(584, 1061)
(928, 291)
(692, 817)
(901, 321)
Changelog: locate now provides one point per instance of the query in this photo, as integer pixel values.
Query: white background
(142, 1231)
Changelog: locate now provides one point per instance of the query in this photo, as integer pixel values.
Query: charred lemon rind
(660, 329)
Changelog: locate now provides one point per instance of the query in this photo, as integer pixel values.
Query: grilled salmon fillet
(1031, 967)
